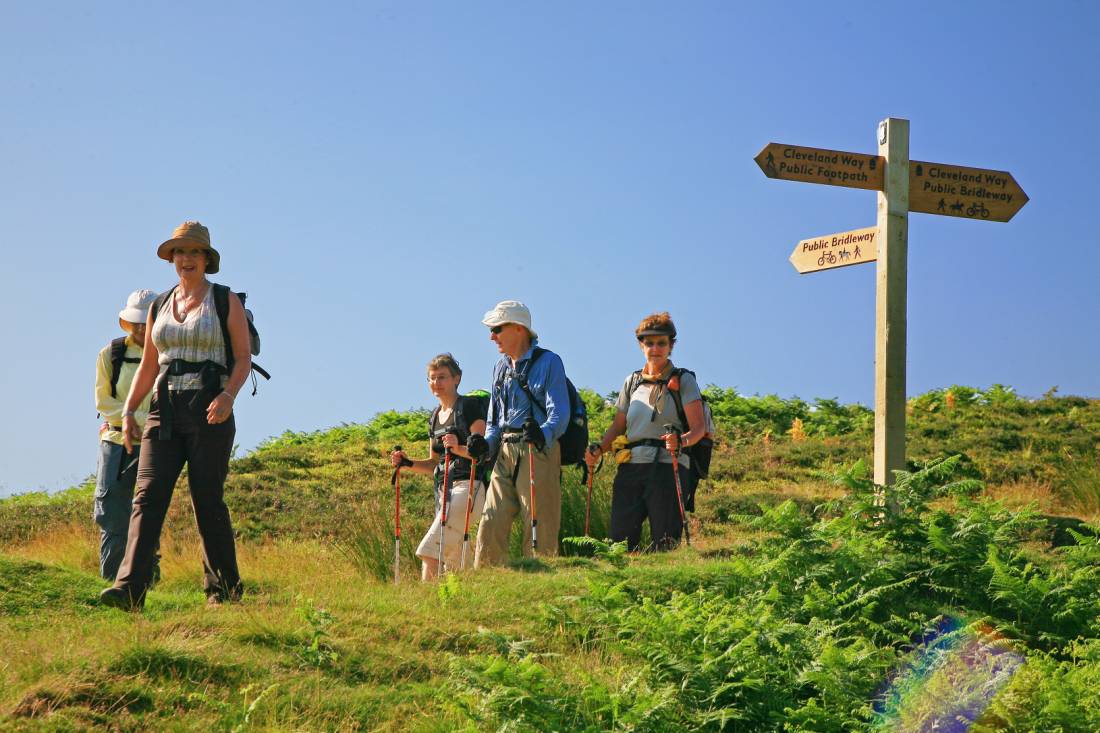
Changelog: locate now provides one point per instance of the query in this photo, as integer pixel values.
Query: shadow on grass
(529, 565)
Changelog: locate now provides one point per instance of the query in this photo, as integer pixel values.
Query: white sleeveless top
(197, 338)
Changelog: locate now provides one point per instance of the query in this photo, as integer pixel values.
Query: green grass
(798, 604)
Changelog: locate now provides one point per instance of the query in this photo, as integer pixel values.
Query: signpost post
(890, 297)
(902, 186)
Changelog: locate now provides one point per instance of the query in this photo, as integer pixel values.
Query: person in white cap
(115, 474)
(524, 424)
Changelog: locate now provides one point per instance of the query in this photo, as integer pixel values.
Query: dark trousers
(641, 491)
(205, 449)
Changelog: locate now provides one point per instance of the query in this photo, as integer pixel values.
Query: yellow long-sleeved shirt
(110, 408)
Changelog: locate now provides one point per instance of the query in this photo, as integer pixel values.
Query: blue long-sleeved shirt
(510, 407)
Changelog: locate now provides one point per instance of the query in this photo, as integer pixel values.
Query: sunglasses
(497, 329)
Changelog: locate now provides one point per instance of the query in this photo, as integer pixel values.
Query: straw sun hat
(194, 234)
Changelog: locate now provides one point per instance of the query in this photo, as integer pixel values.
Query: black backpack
(575, 440)
(118, 356)
(221, 306)
(481, 398)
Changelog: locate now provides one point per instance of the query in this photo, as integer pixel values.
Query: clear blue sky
(377, 175)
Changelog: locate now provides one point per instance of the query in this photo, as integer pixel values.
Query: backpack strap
(521, 377)
(460, 418)
(635, 382)
(221, 305)
(678, 372)
(158, 304)
(118, 356)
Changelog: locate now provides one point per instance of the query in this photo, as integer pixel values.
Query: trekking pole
(531, 483)
(588, 503)
(676, 475)
(443, 509)
(469, 507)
(395, 480)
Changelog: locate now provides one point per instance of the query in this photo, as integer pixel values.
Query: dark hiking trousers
(205, 449)
(641, 491)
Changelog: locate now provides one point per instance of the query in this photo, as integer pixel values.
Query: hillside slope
(802, 605)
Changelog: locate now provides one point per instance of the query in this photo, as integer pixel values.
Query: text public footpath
(808, 167)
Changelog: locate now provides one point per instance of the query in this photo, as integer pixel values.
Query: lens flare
(955, 673)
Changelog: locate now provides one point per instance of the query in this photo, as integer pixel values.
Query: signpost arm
(890, 301)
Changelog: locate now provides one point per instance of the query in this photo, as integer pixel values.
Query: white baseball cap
(137, 307)
(510, 311)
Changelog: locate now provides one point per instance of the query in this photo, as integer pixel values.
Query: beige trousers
(508, 497)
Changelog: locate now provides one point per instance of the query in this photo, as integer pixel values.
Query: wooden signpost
(903, 186)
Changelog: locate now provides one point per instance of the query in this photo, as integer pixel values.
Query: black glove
(477, 446)
(532, 433)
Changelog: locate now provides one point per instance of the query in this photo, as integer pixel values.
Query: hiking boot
(121, 598)
(219, 596)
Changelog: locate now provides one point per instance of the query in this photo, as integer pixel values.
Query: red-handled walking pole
(469, 507)
(676, 474)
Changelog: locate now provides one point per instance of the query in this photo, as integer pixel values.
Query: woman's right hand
(592, 455)
(397, 458)
(130, 432)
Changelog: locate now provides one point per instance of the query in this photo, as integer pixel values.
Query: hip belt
(647, 442)
(211, 373)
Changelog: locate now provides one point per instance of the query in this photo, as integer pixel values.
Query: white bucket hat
(137, 308)
(510, 311)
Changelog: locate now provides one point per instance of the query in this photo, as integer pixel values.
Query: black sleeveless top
(464, 414)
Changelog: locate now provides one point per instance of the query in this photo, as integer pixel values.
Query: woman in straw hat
(650, 401)
(197, 375)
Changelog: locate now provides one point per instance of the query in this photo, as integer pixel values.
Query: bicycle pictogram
(826, 257)
(977, 208)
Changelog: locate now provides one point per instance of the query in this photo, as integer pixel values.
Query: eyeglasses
(651, 344)
(497, 329)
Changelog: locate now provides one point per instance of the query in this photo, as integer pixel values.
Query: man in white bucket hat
(522, 429)
(117, 470)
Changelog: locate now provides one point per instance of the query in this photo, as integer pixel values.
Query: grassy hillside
(802, 605)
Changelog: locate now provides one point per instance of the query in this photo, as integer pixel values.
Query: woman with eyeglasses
(649, 428)
(450, 427)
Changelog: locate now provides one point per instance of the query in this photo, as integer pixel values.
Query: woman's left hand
(450, 441)
(220, 408)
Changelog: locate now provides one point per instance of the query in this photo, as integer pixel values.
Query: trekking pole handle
(678, 432)
(393, 477)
